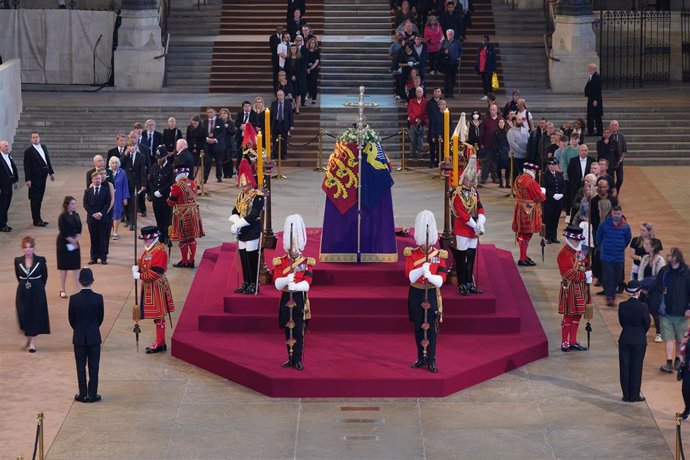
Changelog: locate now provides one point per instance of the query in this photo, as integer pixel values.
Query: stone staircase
(247, 17)
(192, 31)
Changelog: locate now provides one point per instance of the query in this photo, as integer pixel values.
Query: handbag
(494, 81)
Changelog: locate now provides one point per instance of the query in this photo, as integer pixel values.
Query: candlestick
(446, 135)
(268, 133)
(456, 151)
(260, 160)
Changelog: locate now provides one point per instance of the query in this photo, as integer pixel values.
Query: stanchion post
(440, 144)
(270, 239)
(202, 155)
(40, 436)
(403, 158)
(319, 158)
(679, 441)
(280, 175)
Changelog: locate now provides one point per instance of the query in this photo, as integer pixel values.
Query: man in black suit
(595, 106)
(9, 176)
(281, 123)
(118, 150)
(133, 162)
(151, 139)
(183, 157)
(98, 163)
(293, 5)
(555, 190)
(273, 42)
(244, 116)
(85, 313)
(215, 150)
(37, 168)
(633, 316)
(160, 181)
(97, 203)
(578, 168)
(294, 25)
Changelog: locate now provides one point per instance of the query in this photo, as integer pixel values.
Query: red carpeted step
(356, 365)
(336, 300)
(502, 322)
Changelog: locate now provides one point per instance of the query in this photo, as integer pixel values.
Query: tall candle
(259, 160)
(446, 135)
(267, 133)
(456, 154)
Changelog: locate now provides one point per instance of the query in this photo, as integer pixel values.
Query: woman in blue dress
(119, 180)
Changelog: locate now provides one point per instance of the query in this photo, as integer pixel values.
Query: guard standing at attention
(186, 222)
(468, 225)
(633, 316)
(425, 267)
(292, 274)
(156, 299)
(527, 213)
(573, 299)
(246, 224)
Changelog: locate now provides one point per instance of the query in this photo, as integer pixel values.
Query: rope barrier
(330, 135)
(305, 144)
(397, 133)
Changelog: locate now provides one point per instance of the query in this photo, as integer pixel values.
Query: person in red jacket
(527, 213)
(425, 268)
(292, 274)
(417, 119)
(576, 274)
(468, 225)
(186, 223)
(156, 297)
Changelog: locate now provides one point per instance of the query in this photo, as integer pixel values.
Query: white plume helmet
(470, 172)
(299, 233)
(423, 219)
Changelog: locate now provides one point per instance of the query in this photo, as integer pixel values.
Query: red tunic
(415, 258)
(527, 213)
(573, 297)
(186, 222)
(156, 298)
(303, 268)
(466, 204)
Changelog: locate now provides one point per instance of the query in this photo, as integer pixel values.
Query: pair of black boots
(250, 271)
(464, 269)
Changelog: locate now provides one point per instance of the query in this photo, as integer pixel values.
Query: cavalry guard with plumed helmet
(468, 225)
(425, 268)
(246, 220)
(292, 274)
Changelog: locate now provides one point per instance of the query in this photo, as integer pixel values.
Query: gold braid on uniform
(468, 200)
(244, 202)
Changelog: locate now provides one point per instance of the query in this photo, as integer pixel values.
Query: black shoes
(525, 263)
(251, 289)
(473, 289)
(93, 399)
(565, 347)
(104, 261)
(577, 347)
(417, 364)
(40, 223)
(5, 229)
(219, 180)
(181, 264)
(93, 261)
(81, 399)
(296, 364)
(158, 349)
(131, 227)
(554, 241)
(432, 367)
(242, 289)
(462, 289)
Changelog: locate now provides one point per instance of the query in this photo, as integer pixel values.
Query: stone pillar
(574, 44)
(139, 42)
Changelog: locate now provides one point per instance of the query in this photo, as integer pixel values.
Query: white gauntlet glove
(543, 191)
(436, 280)
(588, 277)
(135, 272)
(557, 196)
(157, 194)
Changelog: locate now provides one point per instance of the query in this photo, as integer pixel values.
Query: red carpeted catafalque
(360, 342)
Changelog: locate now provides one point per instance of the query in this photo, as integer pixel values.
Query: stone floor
(565, 406)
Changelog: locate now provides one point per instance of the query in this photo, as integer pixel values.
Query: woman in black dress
(68, 247)
(32, 305)
(196, 139)
(260, 109)
(296, 69)
(313, 63)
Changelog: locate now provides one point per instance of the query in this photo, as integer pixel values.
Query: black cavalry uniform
(554, 183)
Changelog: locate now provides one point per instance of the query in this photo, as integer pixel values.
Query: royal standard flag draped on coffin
(376, 175)
(341, 179)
